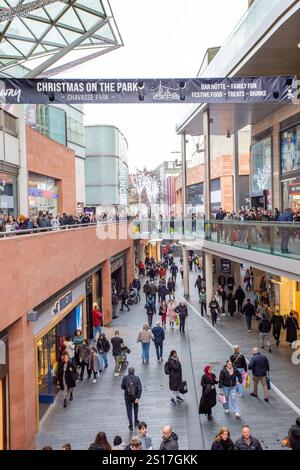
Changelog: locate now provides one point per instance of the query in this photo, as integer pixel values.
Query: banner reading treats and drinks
(192, 90)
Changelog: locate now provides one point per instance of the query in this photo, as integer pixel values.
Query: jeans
(248, 319)
(265, 337)
(145, 351)
(230, 394)
(203, 308)
(95, 330)
(114, 310)
(182, 324)
(118, 359)
(159, 350)
(240, 387)
(103, 360)
(83, 366)
(129, 405)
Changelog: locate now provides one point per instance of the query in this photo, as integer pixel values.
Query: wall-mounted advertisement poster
(290, 150)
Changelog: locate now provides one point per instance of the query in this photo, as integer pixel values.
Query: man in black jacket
(249, 312)
(247, 442)
(260, 367)
(170, 439)
(294, 435)
(117, 344)
(240, 297)
(264, 327)
(131, 384)
(182, 311)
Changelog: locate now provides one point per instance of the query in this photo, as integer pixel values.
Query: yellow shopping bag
(177, 320)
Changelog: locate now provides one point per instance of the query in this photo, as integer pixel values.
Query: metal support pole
(207, 195)
(209, 282)
(186, 273)
(183, 176)
(236, 198)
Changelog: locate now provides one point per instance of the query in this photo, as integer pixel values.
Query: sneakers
(253, 395)
(117, 374)
(94, 381)
(130, 427)
(71, 396)
(173, 401)
(226, 411)
(180, 399)
(237, 415)
(267, 400)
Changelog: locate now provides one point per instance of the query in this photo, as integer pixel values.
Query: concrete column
(237, 273)
(130, 265)
(183, 175)
(142, 252)
(208, 279)
(106, 292)
(236, 158)
(22, 385)
(23, 176)
(206, 132)
(158, 250)
(186, 273)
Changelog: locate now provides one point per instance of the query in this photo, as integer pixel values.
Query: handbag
(286, 442)
(221, 398)
(268, 383)
(183, 388)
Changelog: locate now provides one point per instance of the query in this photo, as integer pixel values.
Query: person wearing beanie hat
(118, 443)
(294, 435)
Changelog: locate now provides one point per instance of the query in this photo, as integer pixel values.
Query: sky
(162, 38)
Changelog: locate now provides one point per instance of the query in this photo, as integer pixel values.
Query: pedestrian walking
(198, 284)
(209, 395)
(96, 321)
(223, 440)
(131, 384)
(259, 365)
(231, 304)
(182, 312)
(150, 309)
(239, 361)
(114, 302)
(117, 344)
(159, 337)
(173, 369)
(163, 313)
(84, 359)
(202, 300)
(247, 441)
(67, 376)
(136, 284)
(171, 288)
(222, 297)
(124, 297)
(249, 312)
(230, 283)
(171, 313)
(103, 348)
(264, 328)
(146, 441)
(153, 291)
(146, 290)
(277, 323)
(229, 376)
(174, 271)
(162, 292)
(94, 364)
(169, 439)
(181, 272)
(240, 297)
(144, 337)
(291, 326)
(214, 308)
(77, 341)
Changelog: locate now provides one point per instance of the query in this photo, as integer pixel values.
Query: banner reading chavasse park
(281, 89)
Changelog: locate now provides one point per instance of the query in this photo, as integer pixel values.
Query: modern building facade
(106, 167)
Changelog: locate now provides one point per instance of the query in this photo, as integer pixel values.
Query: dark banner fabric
(191, 90)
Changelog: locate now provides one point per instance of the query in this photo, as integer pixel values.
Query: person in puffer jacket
(170, 439)
(294, 435)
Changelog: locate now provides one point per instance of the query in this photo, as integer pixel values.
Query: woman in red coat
(96, 321)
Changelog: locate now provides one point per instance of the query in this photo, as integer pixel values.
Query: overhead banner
(192, 90)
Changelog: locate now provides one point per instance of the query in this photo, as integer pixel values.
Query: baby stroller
(124, 363)
(132, 297)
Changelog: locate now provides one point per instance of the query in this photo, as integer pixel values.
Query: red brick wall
(49, 158)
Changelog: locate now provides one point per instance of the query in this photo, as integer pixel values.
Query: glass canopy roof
(39, 34)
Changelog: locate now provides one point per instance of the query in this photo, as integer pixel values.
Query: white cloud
(163, 38)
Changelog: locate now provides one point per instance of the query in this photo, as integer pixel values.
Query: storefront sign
(225, 266)
(116, 265)
(190, 90)
(62, 303)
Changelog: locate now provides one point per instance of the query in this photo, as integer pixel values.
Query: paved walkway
(100, 407)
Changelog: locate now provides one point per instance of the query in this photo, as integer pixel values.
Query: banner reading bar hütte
(281, 89)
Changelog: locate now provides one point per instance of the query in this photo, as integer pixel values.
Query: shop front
(8, 190)
(42, 194)
(57, 320)
(290, 163)
(4, 393)
(119, 271)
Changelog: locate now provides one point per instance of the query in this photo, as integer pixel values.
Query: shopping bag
(244, 376)
(177, 320)
(268, 383)
(221, 398)
(247, 381)
(183, 388)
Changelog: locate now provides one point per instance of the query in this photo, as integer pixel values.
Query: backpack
(130, 389)
(167, 368)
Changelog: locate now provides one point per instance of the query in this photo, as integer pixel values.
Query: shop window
(290, 150)
(10, 123)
